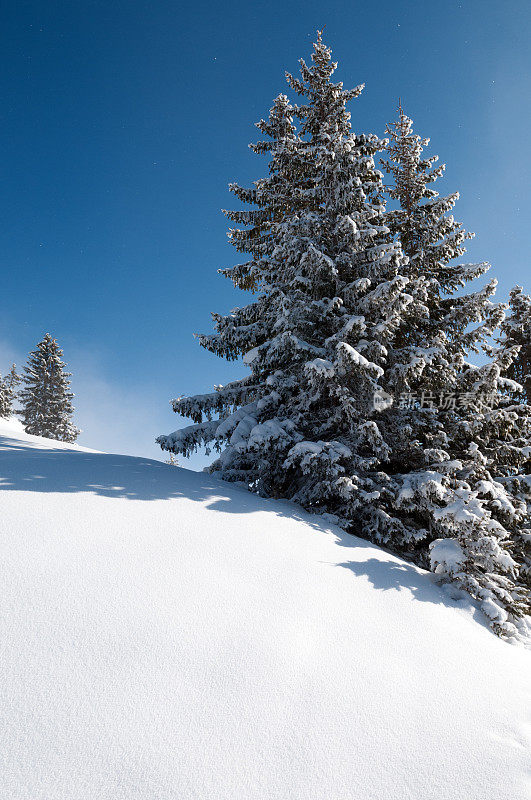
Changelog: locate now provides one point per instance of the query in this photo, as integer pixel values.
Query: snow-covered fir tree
(516, 332)
(5, 405)
(330, 349)
(8, 392)
(328, 277)
(13, 380)
(513, 351)
(46, 397)
(476, 513)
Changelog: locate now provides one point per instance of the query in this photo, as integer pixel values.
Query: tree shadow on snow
(27, 468)
(24, 467)
(31, 469)
(397, 575)
(389, 575)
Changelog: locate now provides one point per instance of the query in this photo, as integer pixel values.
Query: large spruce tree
(330, 297)
(339, 332)
(46, 397)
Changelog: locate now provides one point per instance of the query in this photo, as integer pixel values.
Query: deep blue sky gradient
(123, 122)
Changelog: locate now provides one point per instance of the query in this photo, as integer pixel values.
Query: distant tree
(8, 392)
(5, 406)
(13, 380)
(46, 396)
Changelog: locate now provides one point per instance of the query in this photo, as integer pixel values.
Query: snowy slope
(166, 636)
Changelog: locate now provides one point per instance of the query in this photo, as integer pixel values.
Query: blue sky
(122, 124)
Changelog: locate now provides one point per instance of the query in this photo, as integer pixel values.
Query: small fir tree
(8, 392)
(13, 380)
(5, 404)
(46, 396)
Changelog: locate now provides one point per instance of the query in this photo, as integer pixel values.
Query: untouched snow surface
(166, 636)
